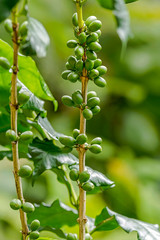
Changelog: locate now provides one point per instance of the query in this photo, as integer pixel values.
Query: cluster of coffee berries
(82, 179)
(34, 234)
(85, 48)
(27, 207)
(25, 136)
(72, 236)
(23, 30)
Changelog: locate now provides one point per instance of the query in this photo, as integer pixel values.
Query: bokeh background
(129, 121)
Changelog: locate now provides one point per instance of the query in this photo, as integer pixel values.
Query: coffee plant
(23, 91)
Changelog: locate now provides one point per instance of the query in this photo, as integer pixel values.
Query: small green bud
(8, 25)
(96, 110)
(96, 140)
(93, 73)
(76, 133)
(23, 97)
(72, 236)
(72, 61)
(95, 148)
(88, 236)
(100, 82)
(92, 102)
(24, 28)
(77, 97)
(15, 204)
(11, 135)
(89, 20)
(67, 100)
(89, 64)
(67, 141)
(95, 25)
(73, 77)
(34, 235)
(28, 207)
(91, 94)
(84, 176)
(91, 55)
(79, 65)
(35, 224)
(79, 51)
(5, 63)
(72, 43)
(95, 46)
(88, 186)
(75, 19)
(92, 38)
(74, 174)
(81, 138)
(102, 70)
(87, 114)
(25, 171)
(82, 38)
(26, 136)
(97, 63)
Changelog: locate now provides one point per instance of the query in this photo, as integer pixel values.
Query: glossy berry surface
(15, 204)
(25, 171)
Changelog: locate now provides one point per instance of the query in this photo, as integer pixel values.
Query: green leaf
(37, 39)
(109, 4)
(108, 220)
(56, 231)
(7, 154)
(28, 74)
(100, 181)
(46, 155)
(6, 7)
(55, 215)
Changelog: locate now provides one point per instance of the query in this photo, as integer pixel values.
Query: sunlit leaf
(109, 4)
(56, 231)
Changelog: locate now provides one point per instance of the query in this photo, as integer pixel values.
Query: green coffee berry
(99, 33)
(35, 224)
(89, 64)
(76, 133)
(24, 28)
(84, 176)
(26, 136)
(67, 100)
(25, 171)
(95, 46)
(88, 186)
(79, 65)
(72, 236)
(92, 102)
(91, 55)
(87, 114)
(34, 235)
(74, 174)
(92, 38)
(5, 63)
(73, 77)
(72, 61)
(93, 73)
(96, 140)
(68, 66)
(96, 110)
(81, 138)
(95, 25)
(8, 25)
(102, 70)
(15, 204)
(66, 149)
(72, 43)
(75, 19)
(95, 148)
(79, 51)
(97, 63)
(88, 236)
(11, 135)
(28, 207)
(100, 82)
(89, 20)
(91, 94)
(77, 97)
(67, 141)
(82, 38)
(23, 97)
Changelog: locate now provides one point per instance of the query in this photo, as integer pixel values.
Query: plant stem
(14, 113)
(82, 194)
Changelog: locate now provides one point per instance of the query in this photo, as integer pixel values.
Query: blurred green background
(129, 121)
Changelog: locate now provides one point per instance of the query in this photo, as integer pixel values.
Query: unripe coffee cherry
(96, 140)
(24, 28)
(72, 61)
(75, 19)
(8, 25)
(95, 148)
(97, 63)
(72, 43)
(84, 176)
(88, 236)
(11, 135)
(89, 64)
(79, 65)
(35, 224)
(5, 63)
(15, 204)
(96, 110)
(91, 94)
(93, 73)
(92, 38)
(95, 46)
(99, 33)
(76, 133)
(91, 55)
(89, 20)
(28, 207)
(25, 171)
(95, 25)
(34, 235)
(87, 114)
(67, 100)
(71, 236)
(77, 97)
(23, 97)
(79, 51)
(102, 70)
(92, 102)
(100, 82)
(73, 76)
(26, 136)
(88, 186)
(67, 141)
(74, 174)
(66, 149)
(68, 66)
(65, 74)
(81, 138)
(82, 38)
